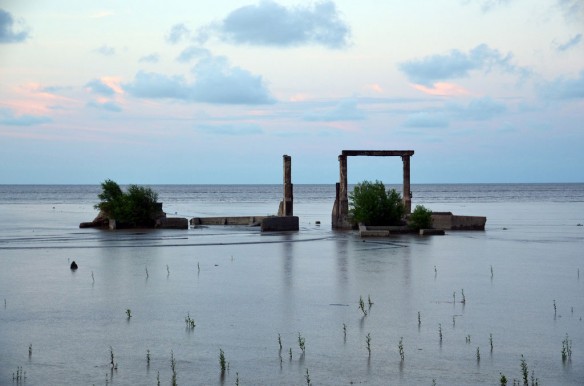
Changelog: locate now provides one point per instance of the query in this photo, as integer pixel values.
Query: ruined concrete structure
(340, 214)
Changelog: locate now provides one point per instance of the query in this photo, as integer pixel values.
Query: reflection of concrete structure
(340, 215)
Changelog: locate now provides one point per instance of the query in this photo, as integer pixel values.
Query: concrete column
(343, 190)
(287, 209)
(407, 195)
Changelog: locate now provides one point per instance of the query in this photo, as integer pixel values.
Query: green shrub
(136, 207)
(421, 218)
(371, 204)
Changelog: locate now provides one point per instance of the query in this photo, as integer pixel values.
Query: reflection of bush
(371, 204)
(136, 207)
(421, 218)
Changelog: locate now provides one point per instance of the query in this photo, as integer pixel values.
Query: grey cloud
(7, 32)
(345, 110)
(477, 109)
(106, 106)
(427, 119)
(216, 81)
(231, 130)
(106, 50)
(177, 33)
(563, 88)
(457, 64)
(191, 53)
(152, 58)
(7, 117)
(571, 43)
(573, 9)
(98, 87)
(271, 24)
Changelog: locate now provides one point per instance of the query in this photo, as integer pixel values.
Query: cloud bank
(457, 64)
(563, 88)
(271, 24)
(7, 32)
(216, 82)
(7, 117)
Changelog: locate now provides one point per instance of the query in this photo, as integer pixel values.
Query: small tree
(421, 218)
(136, 207)
(373, 205)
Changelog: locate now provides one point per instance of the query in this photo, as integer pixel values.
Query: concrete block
(280, 224)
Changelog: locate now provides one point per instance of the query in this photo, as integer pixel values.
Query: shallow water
(244, 288)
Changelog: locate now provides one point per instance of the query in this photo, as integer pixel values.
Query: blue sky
(216, 92)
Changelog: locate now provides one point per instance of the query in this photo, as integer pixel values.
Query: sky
(216, 92)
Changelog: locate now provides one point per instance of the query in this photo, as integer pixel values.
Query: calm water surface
(244, 289)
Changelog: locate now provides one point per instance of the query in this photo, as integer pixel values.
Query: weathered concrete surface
(280, 224)
(448, 221)
(432, 232)
(172, 223)
(286, 207)
(382, 231)
(236, 220)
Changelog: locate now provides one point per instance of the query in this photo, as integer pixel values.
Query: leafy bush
(371, 204)
(137, 207)
(421, 218)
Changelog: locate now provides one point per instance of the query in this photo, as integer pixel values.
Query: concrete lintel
(378, 153)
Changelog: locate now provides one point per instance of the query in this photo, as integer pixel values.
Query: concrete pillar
(288, 188)
(343, 212)
(407, 195)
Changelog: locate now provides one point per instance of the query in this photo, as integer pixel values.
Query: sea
(312, 307)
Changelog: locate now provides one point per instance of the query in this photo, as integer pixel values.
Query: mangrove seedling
(344, 331)
(362, 306)
(280, 341)
(463, 301)
(112, 357)
(491, 271)
(502, 379)
(167, 270)
(491, 341)
(307, 377)
(129, 313)
(440, 331)
(173, 368)
(555, 309)
(566, 349)
(222, 362)
(400, 347)
(236, 379)
(158, 378)
(369, 301)
(146, 268)
(290, 353)
(368, 343)
(190, 322)
(468, 339)
(30, 348)
(148, 357)
(454, 297)
(478, 355)
(419, 319)
(92, 278)
(301, 342)
(524, 371)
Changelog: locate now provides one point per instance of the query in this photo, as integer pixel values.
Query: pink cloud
(442, 89)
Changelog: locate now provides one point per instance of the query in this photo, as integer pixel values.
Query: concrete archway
(340, 214)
